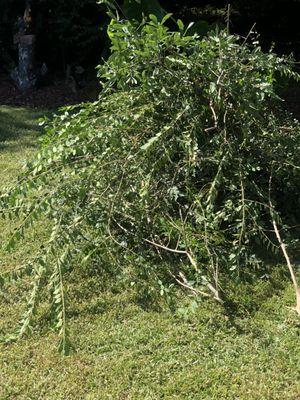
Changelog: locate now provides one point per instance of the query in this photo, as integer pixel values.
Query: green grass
(124, 350)
(18, 132)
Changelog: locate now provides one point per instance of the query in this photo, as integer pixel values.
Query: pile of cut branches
(183, 171)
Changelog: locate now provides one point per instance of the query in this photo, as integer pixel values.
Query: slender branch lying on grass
(285, 253)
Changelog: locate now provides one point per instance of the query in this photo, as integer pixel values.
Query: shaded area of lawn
(19, 131)
(123, 350)
(18, 124)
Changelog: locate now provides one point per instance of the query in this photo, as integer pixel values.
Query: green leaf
(180, 25)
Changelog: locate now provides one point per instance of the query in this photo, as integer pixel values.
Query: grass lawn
(126, 351)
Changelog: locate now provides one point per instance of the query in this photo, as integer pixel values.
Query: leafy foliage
(166, 178)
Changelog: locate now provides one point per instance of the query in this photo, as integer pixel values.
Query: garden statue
(25, 74)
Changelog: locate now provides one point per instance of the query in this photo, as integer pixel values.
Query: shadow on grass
(98, 293)
(19, 124)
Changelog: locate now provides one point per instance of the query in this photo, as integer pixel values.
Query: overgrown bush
(175, 175)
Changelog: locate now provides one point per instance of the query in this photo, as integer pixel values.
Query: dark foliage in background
(73, 31)
(68, 32)
(276, 20)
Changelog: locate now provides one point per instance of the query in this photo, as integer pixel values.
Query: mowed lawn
(124, 349)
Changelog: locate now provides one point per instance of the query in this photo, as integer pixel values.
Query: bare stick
(250, 32)
(192, 261)
(166, 248)
(289, 264)
(228, 18)
(285, 253)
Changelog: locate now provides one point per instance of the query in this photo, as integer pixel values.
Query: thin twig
(250, 32)
(285, 253)
(228, 18)
(166, 248)
(214, 114)
(184, 284)
(192, 261)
